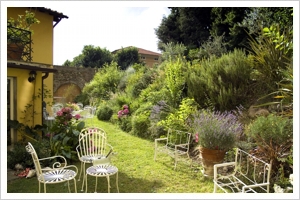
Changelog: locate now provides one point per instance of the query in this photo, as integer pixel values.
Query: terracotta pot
(210, 157)
(14, 51)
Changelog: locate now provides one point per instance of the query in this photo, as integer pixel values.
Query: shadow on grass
(126, 184)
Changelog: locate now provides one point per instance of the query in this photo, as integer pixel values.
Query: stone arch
(67, 77)
(68, 90)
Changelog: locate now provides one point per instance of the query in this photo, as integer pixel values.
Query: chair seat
(55, 176)
(102, 170)
(91, 158)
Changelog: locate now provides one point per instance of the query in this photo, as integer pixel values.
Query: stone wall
(68, 82)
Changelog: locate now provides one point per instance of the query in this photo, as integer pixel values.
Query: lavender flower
(216, 130)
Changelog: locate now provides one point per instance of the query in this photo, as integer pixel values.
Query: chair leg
(39, 187)
(45, 188)
(155, 151)
(85, 179)
(83, 175)
(75, 185)
(80, 171)
(69, 186)
(108, 184)
(175, 160)
(96, 184)
(117, 182)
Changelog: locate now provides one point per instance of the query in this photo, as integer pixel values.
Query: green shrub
(274, 137)
(104, 82)
(104, 112)
(140, 120)
(178, 118)
(159, 112)
(175, 80)
(121, 99)
(125, 123)
(140, 125)
(155, 92)
(222, 83)
(123, 82)
(139, 80)
(19, 155)
(214, 46)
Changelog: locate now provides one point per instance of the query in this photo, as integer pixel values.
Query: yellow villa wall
(42, 53)
(149, 61)
(25, 92)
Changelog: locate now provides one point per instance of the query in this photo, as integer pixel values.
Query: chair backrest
(89, 111)
(30, 149)
(252, 168)
(80, 105)
(176, 137)
(55, 108)
(92, 141)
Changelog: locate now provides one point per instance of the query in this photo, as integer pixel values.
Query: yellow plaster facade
(42, 53)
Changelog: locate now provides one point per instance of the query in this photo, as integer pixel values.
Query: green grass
(138, 172)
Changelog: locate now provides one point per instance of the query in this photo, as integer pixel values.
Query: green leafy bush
(125, 123)
(221, 82)
(104, 82)
(141, 122)
(104, 112)
(177, 118)
(140, 125)
(159, 112)
(274, 137)
(19, 155)
(175, 80)
(142, 81)
(155, 92)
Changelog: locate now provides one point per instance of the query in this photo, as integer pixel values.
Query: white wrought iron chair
(60, 171)
(80, 105)
(55, 108)
(92, 146)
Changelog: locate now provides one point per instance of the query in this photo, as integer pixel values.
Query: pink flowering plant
(215, 129)
(64, 133)
(124, 119)
(124, 112)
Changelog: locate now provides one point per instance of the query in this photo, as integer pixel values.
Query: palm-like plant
(274, 55)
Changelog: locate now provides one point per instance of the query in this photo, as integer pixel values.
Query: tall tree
(168, 31)
(126, 57)
(194, 26)
(259, 17)
(189, 26)
(225, 22)
(95, 57)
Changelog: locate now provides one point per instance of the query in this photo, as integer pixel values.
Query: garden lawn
(138, 172)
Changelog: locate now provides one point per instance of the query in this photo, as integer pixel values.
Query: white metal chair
(176, 145)
(80, 105)
(59, 172)
(102, 168)
(55, 108)
(88, 112)
(92, 146)
(247, 174)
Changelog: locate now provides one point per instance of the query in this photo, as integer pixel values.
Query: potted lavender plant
(216, 133)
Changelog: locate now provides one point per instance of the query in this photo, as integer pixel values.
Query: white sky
(106, 27)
